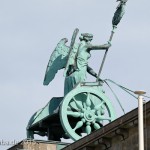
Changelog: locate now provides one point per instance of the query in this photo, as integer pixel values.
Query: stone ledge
(28, 144)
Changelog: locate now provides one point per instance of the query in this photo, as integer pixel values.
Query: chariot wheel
(84, 110)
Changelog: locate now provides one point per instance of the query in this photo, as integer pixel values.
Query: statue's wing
(57, 61)
(72, 49)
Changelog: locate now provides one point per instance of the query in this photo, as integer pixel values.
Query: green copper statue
(76, 61)
(84, 107)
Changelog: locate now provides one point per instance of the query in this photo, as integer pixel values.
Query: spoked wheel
(84, 110)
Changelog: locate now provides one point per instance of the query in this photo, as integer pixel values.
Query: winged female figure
(76, 61)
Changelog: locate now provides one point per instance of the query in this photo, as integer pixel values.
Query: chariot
(83, 110)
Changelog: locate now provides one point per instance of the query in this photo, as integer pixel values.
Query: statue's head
(86, 37)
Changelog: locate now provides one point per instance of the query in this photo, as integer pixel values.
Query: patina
(84, 106)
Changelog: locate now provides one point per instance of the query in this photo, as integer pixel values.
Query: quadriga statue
(84, 107)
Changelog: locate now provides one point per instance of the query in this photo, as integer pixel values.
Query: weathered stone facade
(38, 145)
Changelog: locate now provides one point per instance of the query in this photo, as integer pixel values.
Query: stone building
(121, 134)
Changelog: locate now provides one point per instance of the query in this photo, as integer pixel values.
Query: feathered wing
(57, 61)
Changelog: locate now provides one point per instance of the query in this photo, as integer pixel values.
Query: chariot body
(84, 107)
(83, 110)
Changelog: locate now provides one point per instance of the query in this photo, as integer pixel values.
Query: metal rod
(102, 64)
(140, 119)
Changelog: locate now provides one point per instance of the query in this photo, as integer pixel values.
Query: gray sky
(29, 32)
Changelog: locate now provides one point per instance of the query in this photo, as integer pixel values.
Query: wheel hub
(89, 115)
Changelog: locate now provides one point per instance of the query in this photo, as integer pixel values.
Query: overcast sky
(29, 32)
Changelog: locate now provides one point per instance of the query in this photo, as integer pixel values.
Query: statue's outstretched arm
(99, 47)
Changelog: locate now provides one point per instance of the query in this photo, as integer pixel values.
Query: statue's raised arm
(99, 47)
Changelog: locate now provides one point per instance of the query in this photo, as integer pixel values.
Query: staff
(115, 21)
